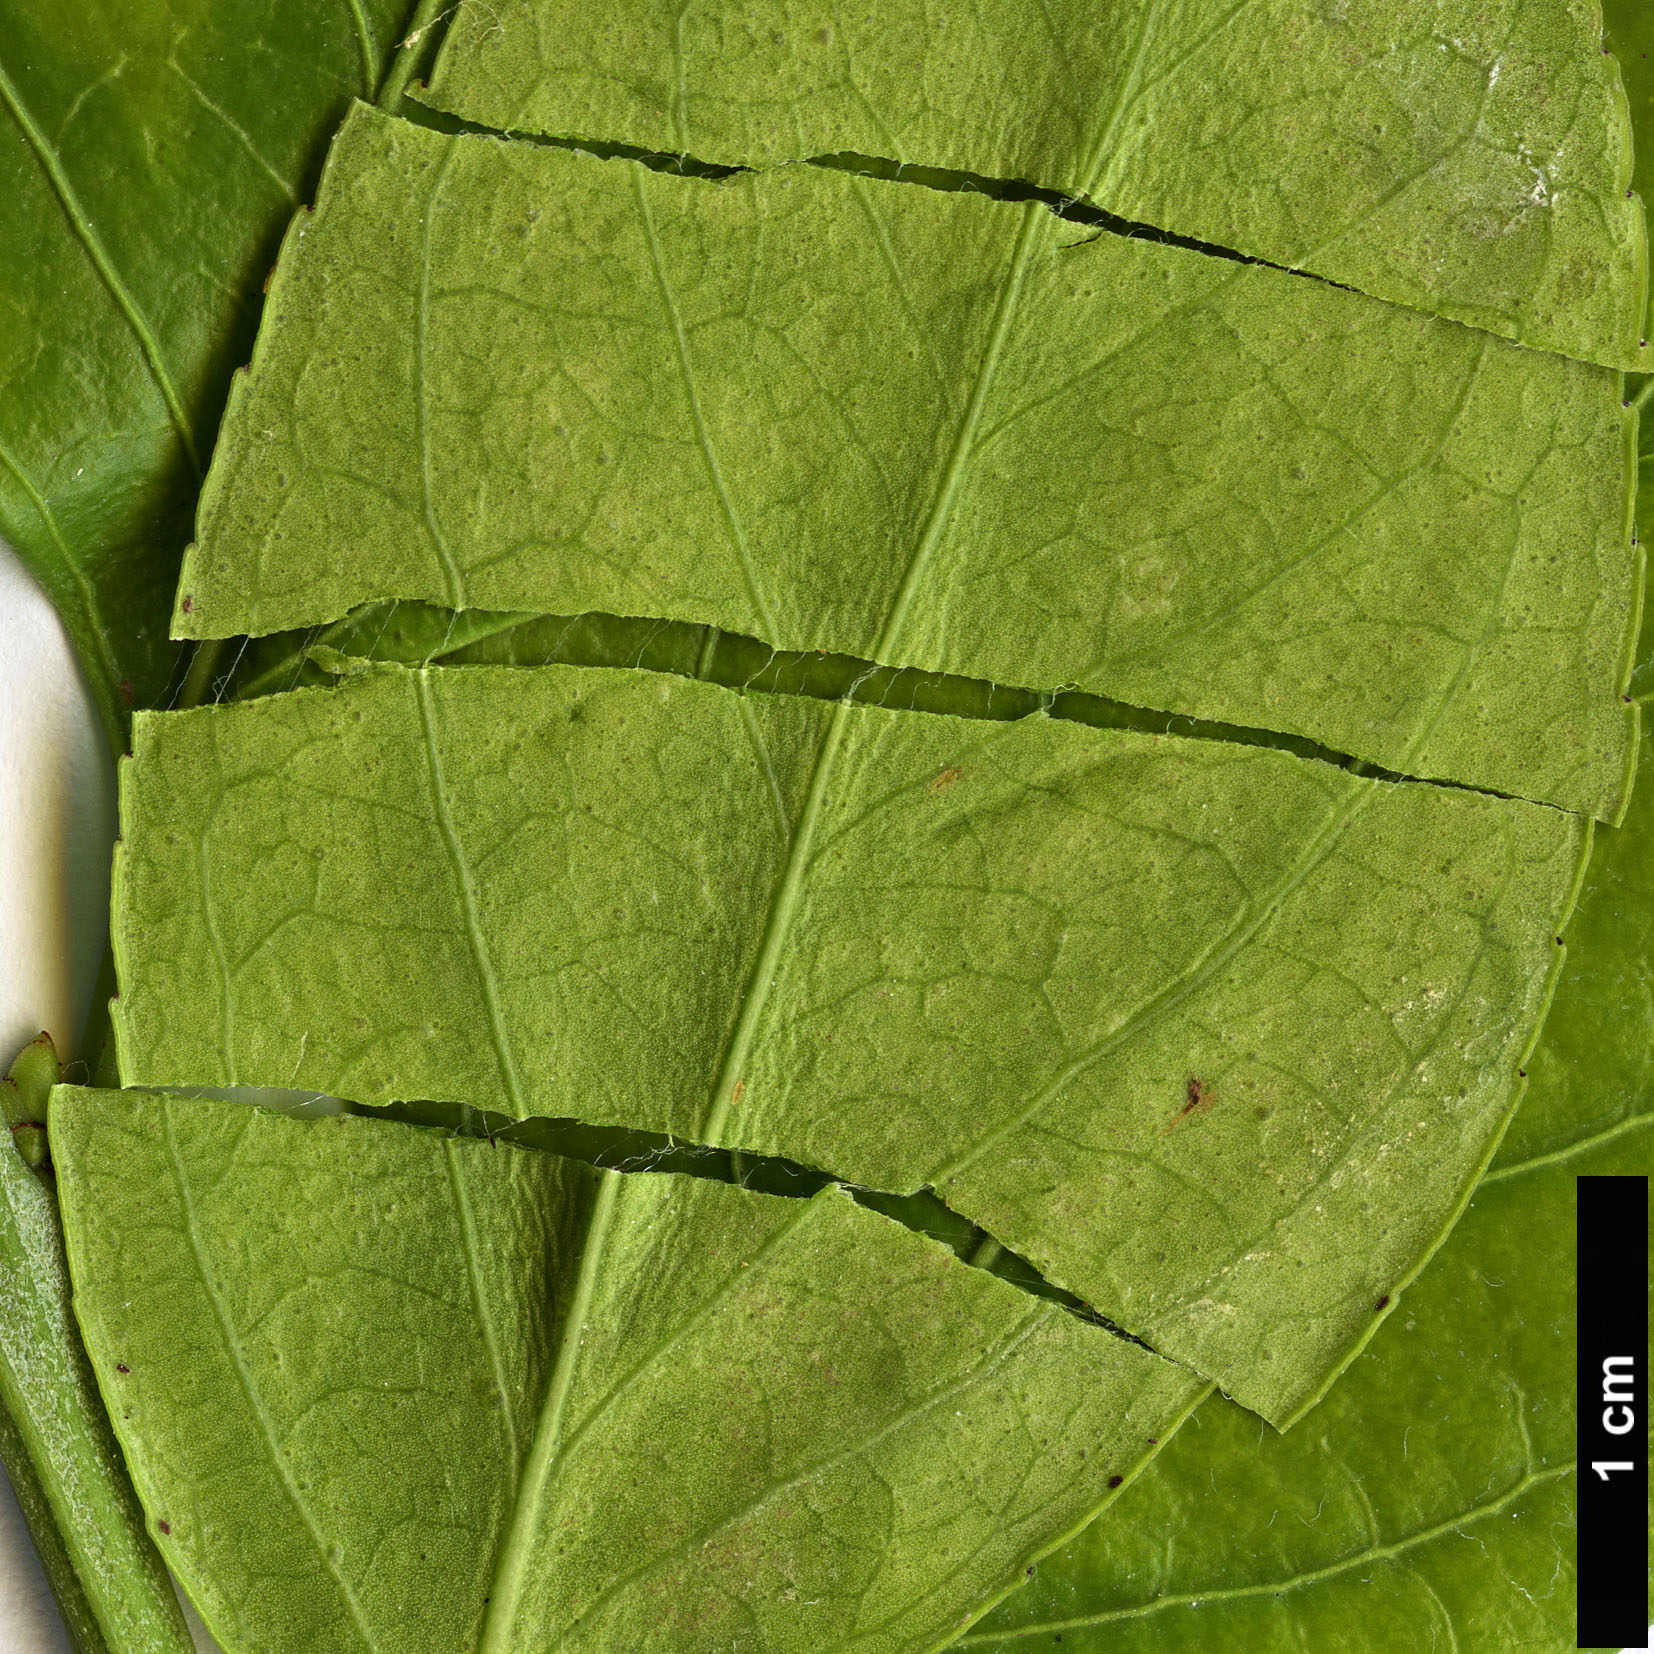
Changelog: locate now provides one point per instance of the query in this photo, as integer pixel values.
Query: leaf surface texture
(1216, 1036)
(1217, 1032)
(447, 1395)
(932, 430)
(1431, 1496)
(150, 158)
(1472, 161)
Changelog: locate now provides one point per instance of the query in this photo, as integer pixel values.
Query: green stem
(408, 54)
(203, 668)
(59, 1452)
(78, 1618)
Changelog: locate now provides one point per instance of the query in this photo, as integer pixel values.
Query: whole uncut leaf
(1470, 160)
(154, 151)
(1430, 1500)
(406, 1407)
(930, 430)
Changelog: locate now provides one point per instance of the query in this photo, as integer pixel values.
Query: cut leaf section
(151, 154)
(383, 1389)
(1471, 160)
(931, 430)
(1217, 1037)
(1432, 1499)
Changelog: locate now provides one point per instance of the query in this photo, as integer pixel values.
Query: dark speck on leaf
(1115, 1481)
(188, 604)
(1197, 1096)
(121, 1367)
(1383, 1303)
(165, 1527)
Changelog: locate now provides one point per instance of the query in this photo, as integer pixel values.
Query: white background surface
(57, 822)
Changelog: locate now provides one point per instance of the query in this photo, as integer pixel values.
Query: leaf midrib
(465, 887)
(512, 1559)
(785, 893)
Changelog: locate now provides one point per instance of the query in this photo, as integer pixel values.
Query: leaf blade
(1429, 168)
(109, 420)
(761, 1319)
(983, 457)
(1469, 1385)
(905, 986)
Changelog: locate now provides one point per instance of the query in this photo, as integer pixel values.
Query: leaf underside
(546, 888)
(1430, 1498)
(798, 1393)
(928, 429)
(1218, 1029)
(1470, 161)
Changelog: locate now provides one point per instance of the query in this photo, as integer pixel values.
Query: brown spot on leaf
(165, 1527)
(736, 1094)
(1383, 1303)
(1115, 1481)
(1198, 1095)
(945, 780)
(187, 604)
(121, 1367)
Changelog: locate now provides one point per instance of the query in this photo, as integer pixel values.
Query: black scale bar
(1612, 1352)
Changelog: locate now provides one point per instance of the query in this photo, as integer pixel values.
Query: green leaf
(1219, 1038)
(439, 1394)
(1628, 32)
(59, 1454)
(929, 429)
(152, 155)
(1430, 1501)
(1469, 160)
